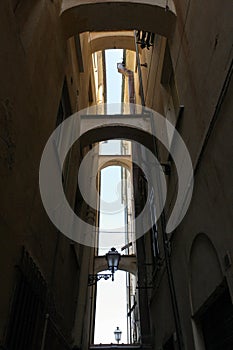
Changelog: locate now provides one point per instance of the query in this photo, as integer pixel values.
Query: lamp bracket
(94, 278)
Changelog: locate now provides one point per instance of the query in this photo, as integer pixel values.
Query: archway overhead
(113, 132)
(90, 15)
(112, 40)
(116, 160)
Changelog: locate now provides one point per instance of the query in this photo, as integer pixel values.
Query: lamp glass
(113, 258)
(117, 334)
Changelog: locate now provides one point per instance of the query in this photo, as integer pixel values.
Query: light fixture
(113, 258)
(117, 334)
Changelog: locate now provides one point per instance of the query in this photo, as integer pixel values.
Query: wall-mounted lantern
(113, 259)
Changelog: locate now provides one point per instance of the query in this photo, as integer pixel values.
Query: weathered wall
(34, 61)
(201, 54)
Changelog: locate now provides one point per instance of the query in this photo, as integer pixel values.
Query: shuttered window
(27, 312)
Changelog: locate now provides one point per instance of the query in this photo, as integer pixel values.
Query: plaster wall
(201, 53)
(34, 61)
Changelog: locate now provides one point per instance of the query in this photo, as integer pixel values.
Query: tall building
(177, 73)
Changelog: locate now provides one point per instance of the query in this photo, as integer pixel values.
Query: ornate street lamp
(117, 334)
(113, 258)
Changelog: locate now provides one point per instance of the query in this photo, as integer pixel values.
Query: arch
(122, 161)
(151, 15)
(205, 270)
(111, 132)
(111, 40)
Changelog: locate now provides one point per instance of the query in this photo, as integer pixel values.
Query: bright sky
(111, 308)
(114, 79)
(112, 214)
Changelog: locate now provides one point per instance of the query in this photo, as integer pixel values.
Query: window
(217, 323)
(27, 317)
(155, 243)
(170, 92)
(64, 110)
